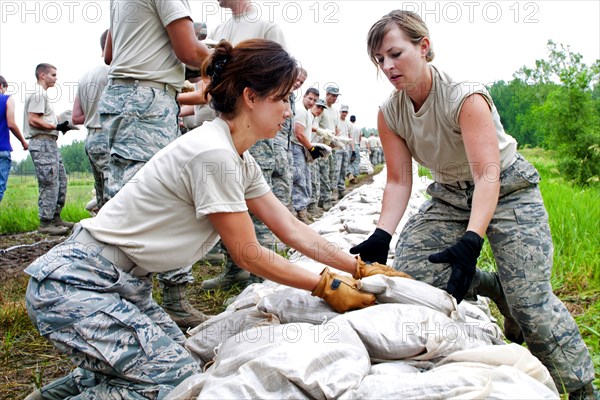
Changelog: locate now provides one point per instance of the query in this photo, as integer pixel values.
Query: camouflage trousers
(376, 156)
(96, 148)
(315, 182)
(324, 177)
(301, 188)
(283, 173)
(341, 169)
(51, 176)
(139, 121)
(354, 166)
(333, 163)
(105, 320)
(519, 236)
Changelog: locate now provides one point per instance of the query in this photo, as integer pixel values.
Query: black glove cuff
(473, 240)
(382, 235)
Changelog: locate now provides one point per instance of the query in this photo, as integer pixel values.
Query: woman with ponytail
(91, 295)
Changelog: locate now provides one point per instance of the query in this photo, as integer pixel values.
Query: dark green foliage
(556, 105)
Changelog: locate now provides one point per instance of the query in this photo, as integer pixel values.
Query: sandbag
(206, 338)
(287, 361)
(403, 331)
(409, 291)
(296, 305)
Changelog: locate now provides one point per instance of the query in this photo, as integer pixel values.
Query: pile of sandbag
(278, 342)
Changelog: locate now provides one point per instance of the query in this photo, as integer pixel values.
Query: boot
(488, 284)
(232, 275)
(50, 228)
(176, 304)
(312, 209)
(588, 392)
(302, 215)
(326, 205)
(334, 195)
(59, 222)
(341, 194)
(59, 389)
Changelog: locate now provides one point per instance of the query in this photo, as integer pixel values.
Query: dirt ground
(17, 251)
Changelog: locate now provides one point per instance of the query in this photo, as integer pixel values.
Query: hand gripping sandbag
(363, 270)
(342, 293)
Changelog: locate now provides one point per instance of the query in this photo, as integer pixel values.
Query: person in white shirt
(91, 296)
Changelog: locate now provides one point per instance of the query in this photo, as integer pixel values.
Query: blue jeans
(5, 162)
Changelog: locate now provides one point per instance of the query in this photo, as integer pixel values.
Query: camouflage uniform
(333, 163)
(139, 121)
(51, 176)
(283, 173)
(522, 245)
(106, 321)
(96, 148)
(324, 179)
(341, 169)
(315, 182)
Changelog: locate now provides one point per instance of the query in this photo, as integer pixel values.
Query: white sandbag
(288, 361)
(409, 291)
(393, 368)
(512, 355)
(403, 331)
(188, 389)
(477, 315)
(458, 381)
(360, 224)
(208, 336)
(296, 305)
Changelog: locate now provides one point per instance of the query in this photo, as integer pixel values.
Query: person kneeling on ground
(91, 296)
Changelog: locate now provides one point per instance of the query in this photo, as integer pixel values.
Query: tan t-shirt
(305, 118)
(38, 103)
(329, 119)
(433, 135)
(89, 90)
(141, 46)
(249, 25)
(344, 126)
(160, 217)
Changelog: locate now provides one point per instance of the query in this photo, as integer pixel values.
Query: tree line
(554, 104)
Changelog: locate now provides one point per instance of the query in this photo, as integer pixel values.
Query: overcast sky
(481, 41)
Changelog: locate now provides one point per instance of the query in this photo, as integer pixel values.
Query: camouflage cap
(321, 103)
(344, 108)
(332, 90)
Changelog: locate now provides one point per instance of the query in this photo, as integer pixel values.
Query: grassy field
(18, 209)
(26, 360)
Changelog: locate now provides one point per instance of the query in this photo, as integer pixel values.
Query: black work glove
(63, 127)
(462, 258)
(317, 152)
(375, 248)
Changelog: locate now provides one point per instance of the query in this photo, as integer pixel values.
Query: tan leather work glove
(342, 293)
(363, 270)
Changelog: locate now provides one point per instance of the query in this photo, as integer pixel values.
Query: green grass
(19, 209)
